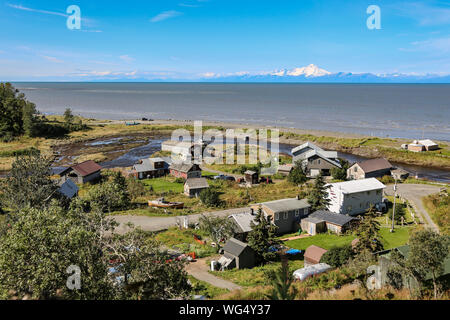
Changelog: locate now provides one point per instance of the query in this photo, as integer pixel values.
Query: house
(315, 160)
(150, 168)
(185, 170)
(429, 144)
(237, 254)
(68, 188)
(194, 186)
(354, 197)
(251, 177)
(88, 171)
(416, 146)
(243, 222)
(322, 220)
(372, 168)
(313, 254)
(285, 169)
(285, 213)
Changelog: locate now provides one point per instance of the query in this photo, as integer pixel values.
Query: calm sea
(408, 111)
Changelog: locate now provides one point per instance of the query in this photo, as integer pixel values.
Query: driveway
(199, 270)
(414, 194)
(164, 223)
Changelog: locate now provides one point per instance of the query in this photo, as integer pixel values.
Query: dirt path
(414, 194)
(163, 223)
(199, 270)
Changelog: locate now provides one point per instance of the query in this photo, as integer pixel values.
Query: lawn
(205, 289)
(255, 276)
(438, 206)
(396, 239)
(165, 184)
(324, 240)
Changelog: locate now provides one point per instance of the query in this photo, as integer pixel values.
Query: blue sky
(187, 39)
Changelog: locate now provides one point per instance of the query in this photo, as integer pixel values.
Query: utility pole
(393, 208)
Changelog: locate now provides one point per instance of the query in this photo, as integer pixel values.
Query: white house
(356, 196)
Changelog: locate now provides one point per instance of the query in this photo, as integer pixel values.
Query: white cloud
(20, 7)
(126, 58)
(425, 13)
(166, 15)
(437, 45)
(52, 59)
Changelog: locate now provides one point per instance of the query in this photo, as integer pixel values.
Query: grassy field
(398, 238)
(164, 184)
(324, 240)
(255, 276)
(438, 206)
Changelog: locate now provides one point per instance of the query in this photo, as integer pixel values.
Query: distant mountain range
(313, 73)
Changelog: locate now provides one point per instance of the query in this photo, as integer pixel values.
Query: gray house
(194, 186)
(315, 160)
(322, 220)
(150, 168)
(286, 214)
(88, 171)
(237, 254)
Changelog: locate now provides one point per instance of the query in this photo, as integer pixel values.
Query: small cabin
(88, 171)
(251, 177)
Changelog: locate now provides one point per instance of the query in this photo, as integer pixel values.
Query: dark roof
(314, 253)
(250, 172)
(331, 217)
(234, 247)
(374, 165)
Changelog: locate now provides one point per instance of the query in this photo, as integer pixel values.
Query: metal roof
(85, 168)
(68, 188)
(331, 217)
(427, 143)
(182, 167)
(197, 183)
(286, 204)
(355, 186)
(149, 164)
(244, 220)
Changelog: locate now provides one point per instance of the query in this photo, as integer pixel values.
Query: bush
(387, 179)
(210, 197)
(136, 189)
(337, 256)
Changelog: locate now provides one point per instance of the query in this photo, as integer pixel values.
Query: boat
(161, 203)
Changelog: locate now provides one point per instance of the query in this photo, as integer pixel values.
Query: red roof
(86, 168)
(314, 253)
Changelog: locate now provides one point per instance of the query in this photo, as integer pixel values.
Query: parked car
(224, 177)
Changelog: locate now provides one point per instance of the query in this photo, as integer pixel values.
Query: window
(297, 212)
(277, 216)
(356, 169)
(378, 192)
(286, 215)
(318, 161)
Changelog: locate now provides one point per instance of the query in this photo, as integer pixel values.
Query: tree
(29, 183)
(263, 237)
(281, 281)
(318, 195)
(143, 271)
(11, 108)
(210, 197)
(68, 117)
(220, 229)
(30, 120)
(337, 256)
(428, 251)
(297, 175)
(37, 250)
(110, 195)
(367, 233)
(340, 173)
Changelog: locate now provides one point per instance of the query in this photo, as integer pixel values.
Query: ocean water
(411, 111)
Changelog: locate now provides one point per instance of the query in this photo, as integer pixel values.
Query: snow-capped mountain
(313, 73)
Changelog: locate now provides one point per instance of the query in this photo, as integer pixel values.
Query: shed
(194, 186)
(313, 254)
(416, 146)
(237, 254)
(87, 171)
(313, 225)
(285, 169)
(251, 177)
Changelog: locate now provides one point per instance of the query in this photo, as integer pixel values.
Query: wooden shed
(313, 254)
(251, 177)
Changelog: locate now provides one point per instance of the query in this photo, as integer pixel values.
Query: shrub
(337, 256)
(210, 197)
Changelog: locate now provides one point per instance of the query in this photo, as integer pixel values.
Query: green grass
(398, 238)
(324, 240)
(208, 174)
(438, 206)
(166, 184)
(205, 289)
(255, 276)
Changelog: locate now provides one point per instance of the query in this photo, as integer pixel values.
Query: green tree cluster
(210, 197)
(337, 256)
(318, 194)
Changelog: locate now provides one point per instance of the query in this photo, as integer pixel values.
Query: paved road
(163, 223)
(199, 270)
(414, 194)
